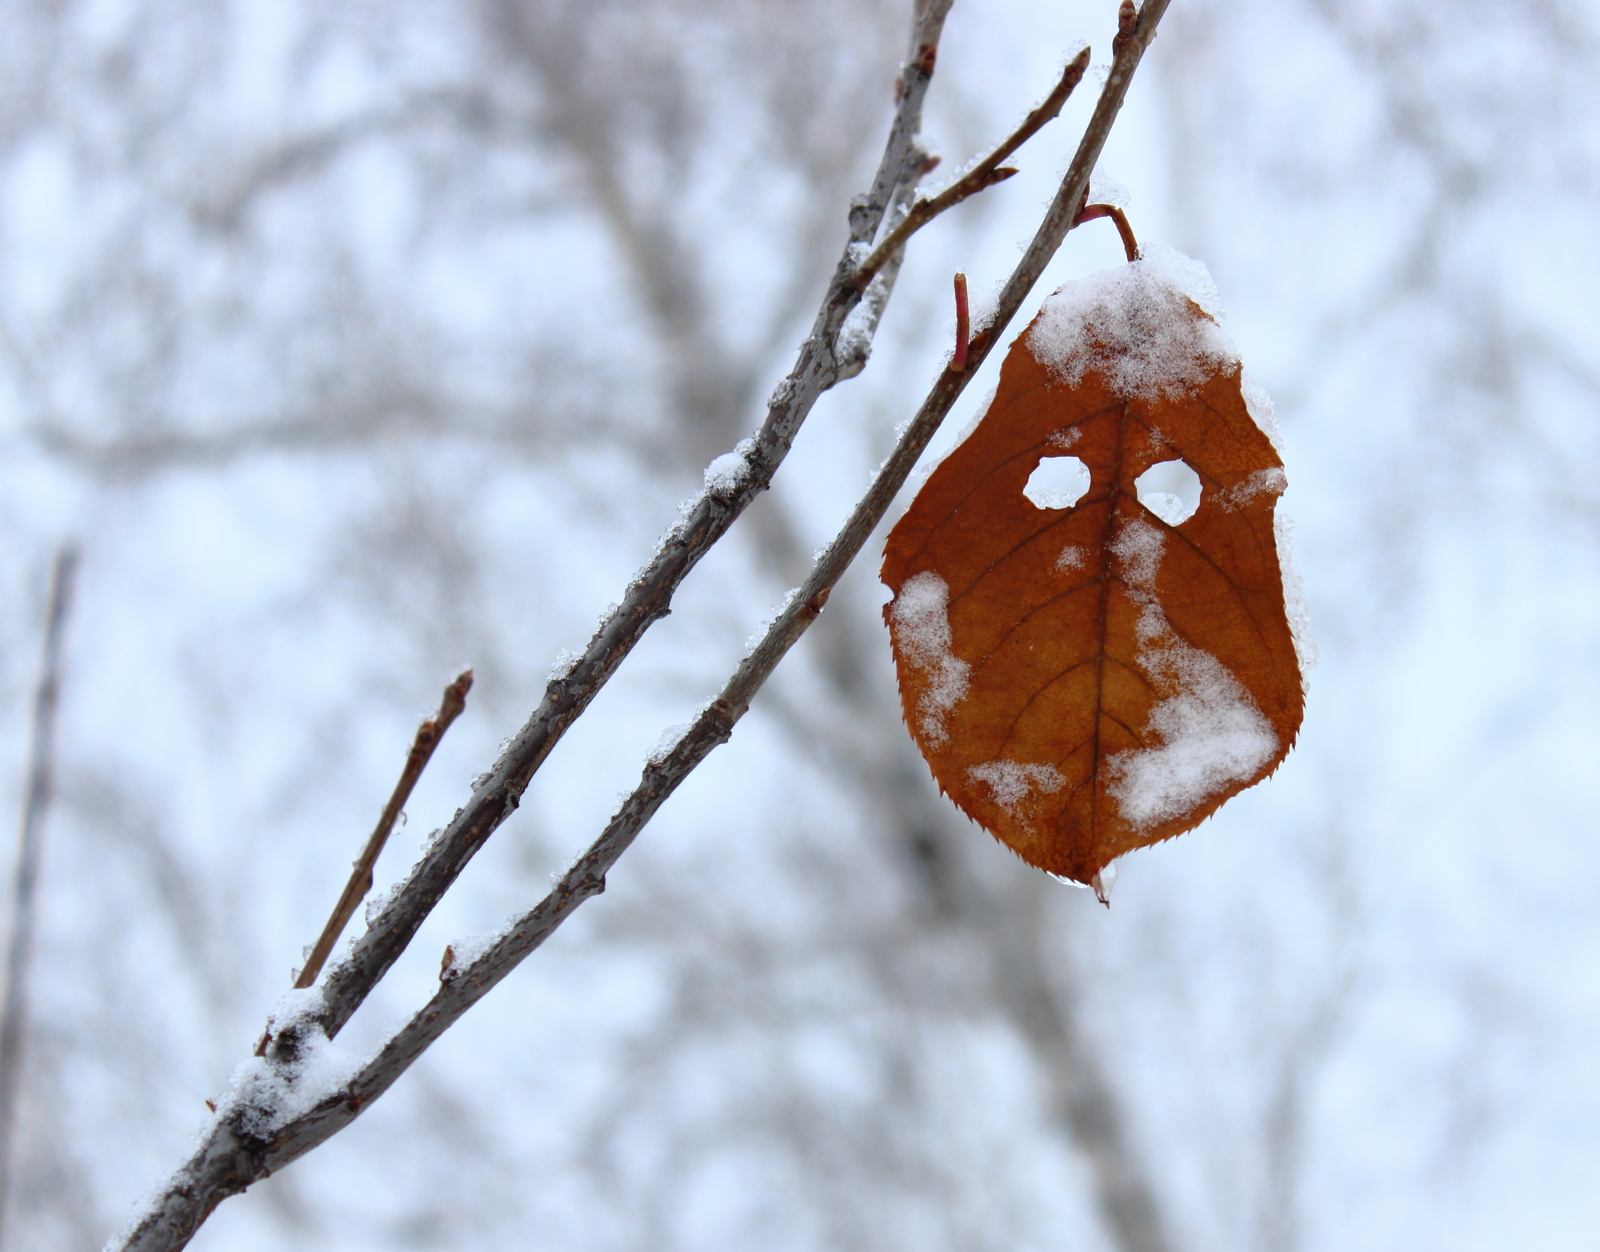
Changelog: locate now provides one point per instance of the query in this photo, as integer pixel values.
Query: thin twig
(36, 803)
(985, 174)
(428, 736)
(958, 359)
(234, 1154)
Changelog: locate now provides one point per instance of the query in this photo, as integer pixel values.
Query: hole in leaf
(1058, 483)
(1170, 490)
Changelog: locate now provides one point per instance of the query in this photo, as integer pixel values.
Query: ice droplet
(1103, 882)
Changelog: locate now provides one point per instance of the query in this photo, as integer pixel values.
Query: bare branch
(428, 736)
(41, 785)
(243, 1145)
(985, 174)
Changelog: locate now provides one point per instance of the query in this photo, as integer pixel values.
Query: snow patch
(783, 607)
(266, 1092)
(1138, 547)
(1258, 404)
(920, 615)
(460, 954)
(1012, 784)
(1264, 482)
(861, 323)
(1070, 559)
(376, 903)
(669, 739)
(1294, 599)
(1103, 190)
(1212, 733)
(728, 471)
(1133, 325)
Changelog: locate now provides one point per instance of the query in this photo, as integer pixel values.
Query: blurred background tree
(358, 340)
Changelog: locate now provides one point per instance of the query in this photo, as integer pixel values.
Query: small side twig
(958, 360)
(36, 803)
(985, 174)
(428, 736)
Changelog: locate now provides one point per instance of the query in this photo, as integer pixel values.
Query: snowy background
(358, 340)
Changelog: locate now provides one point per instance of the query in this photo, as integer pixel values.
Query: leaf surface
(1087, 678)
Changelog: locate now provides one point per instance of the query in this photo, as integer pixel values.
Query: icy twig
(427, 739)
(985, 174)
(232, 1155)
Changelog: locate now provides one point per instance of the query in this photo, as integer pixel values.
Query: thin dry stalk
(428, 736)
(36, 804)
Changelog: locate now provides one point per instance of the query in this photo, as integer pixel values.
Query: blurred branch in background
(35, 808)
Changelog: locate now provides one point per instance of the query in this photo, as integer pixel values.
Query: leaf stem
(1089, 212)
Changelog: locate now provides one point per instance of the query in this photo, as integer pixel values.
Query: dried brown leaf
(1091, 679)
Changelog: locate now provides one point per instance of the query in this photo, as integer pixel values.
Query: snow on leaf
(922, 634)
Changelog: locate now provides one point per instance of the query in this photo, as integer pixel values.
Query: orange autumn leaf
(1088, 676)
